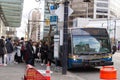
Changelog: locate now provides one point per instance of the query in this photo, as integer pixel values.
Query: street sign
(61, 37)
(70, 11)
(53, 19)
(60, 12)
(47, 21)
(52, 7)
(56, 46)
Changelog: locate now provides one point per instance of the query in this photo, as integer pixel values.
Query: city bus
(89, 47)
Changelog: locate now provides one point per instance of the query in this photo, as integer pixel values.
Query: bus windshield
(88, 43)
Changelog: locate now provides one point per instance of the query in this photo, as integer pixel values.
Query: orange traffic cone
(108, 73)
(48, 75)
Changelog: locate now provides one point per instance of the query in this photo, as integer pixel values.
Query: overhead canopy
(12, 12)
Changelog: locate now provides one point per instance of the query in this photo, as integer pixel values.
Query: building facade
(35, 25)
(94, 9)
(2, 27)
(115, 8)
(10, 17)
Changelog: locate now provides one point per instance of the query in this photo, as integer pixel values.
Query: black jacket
(2, 46)
(29, 49)
(9, 47)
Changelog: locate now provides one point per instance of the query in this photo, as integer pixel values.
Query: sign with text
(53, 19)
(60, 12)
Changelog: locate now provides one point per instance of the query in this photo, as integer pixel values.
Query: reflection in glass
(85, 44)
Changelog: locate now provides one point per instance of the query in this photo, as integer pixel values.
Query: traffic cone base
(48, 75)
(108, 73)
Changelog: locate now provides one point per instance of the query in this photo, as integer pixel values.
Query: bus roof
(89, 31)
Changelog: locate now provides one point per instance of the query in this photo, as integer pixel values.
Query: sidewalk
(12, 72)
(57, 74)
(16, 72)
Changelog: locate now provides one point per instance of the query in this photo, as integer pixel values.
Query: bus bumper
(92, 64)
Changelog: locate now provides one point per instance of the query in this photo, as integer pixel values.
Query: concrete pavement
(16, 72)
(12, 72)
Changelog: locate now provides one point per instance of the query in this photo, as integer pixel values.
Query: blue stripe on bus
(70, 61)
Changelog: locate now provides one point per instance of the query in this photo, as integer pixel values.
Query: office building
(34, 25)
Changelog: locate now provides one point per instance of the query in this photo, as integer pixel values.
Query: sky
(28, 5)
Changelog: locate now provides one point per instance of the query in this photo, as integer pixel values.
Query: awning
(12, 12)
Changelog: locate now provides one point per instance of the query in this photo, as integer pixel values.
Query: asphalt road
(94, 73)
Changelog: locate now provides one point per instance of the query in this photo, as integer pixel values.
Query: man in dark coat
(22, 42)
(44, 52)
(2, 48)
(29, 53)
(51, 53)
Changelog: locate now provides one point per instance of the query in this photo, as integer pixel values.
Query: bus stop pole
(65, 37)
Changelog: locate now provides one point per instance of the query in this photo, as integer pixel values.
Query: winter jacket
(2, 47)
(9, 47)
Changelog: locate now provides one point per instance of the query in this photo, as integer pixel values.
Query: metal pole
(107, 24)
(115, 33)
(87, 10)
(65, 42)
(28, 30)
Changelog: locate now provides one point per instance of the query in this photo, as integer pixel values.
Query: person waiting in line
(10, 49)
(3, 50)
(37, 52)
(29, 53)
(44, 53)
(119, 46)
(114, 49)
(18, 53)
(51, 53)
(36, 49)
(23, 49)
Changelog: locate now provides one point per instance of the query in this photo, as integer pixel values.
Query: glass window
(102, 10)
(103, 0)
(87, 44)
(101, 16)
(102, 4)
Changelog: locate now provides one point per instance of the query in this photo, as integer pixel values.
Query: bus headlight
(75, 57)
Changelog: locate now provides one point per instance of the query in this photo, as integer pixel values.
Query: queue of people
(20, 51)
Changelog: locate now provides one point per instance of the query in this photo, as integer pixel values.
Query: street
(57, 35)
(12, 72)
(94, 73)
(16, 71)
